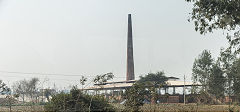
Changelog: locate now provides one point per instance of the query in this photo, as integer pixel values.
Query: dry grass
(188, 108)
(145, 108)
(182, 108)
(22, 109)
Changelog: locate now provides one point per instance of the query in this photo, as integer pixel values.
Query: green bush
(77, 101)
(135, 97)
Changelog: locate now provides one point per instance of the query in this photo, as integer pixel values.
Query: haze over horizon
(90, 38)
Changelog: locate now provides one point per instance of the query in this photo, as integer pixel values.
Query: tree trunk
(153, 100)
(23, 98)
(154, 96)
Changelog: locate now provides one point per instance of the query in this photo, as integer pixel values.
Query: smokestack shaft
(130, 61)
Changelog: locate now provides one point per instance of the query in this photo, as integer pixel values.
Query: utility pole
(229, 103)
(64, 105)
(42, 87)
(184, 100)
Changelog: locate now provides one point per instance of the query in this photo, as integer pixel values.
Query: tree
(99, 79)
(82, 81)
(68, 102)
(152, 81)
(235, 72)
(135, 97)
(202, 69)
(217, 81)
(10, 100)
(6, 90)
(226, 59)
(3, 88)
(209, 15)
(26, 88)
(49, 92)
(32, 87)
(144, 89)
(20, 88)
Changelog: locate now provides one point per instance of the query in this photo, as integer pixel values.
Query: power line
(32, 73)
(50, 74)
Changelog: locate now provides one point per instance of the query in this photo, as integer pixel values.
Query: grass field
(189, 108)
(145, 108)
(22, 108)
(184, 108)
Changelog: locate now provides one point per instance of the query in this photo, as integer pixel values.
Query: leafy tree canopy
(134, 97)
(235, 76)
(154, 79)
(83, 80)
(144, 89)
(202, 67)
(99, 79)
(217, 81)
(78, 103)
(209, 15)
(3, 88)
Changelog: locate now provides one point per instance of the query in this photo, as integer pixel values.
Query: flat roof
(126, 84)
(129, 81)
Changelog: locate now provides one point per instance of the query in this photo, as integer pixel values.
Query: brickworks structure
(130, 61)
(114, 89)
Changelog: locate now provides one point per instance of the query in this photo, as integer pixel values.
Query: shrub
(135, 97)
(77, 101)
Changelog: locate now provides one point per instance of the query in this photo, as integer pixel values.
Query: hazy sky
(89, 37)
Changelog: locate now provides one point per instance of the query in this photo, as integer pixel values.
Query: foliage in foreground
(144, 90)
(219, 78)
(134, 97)
(3, 88)
(77, 101)
(210, 15)
(210, 74)
(24, 88)
(152, 82)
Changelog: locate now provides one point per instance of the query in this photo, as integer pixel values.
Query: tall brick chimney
(130, 62)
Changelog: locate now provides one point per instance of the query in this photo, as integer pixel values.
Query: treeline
(33, 93)
(78, 100)
(25, 92)
(219, 77)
